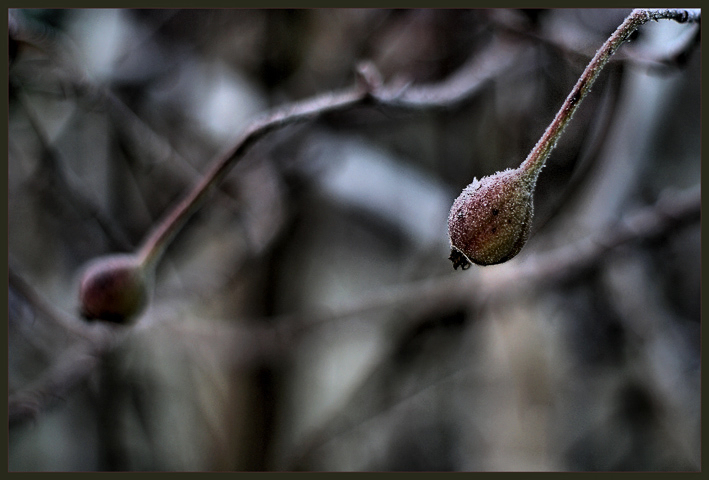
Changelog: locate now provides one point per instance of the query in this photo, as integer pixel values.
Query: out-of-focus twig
(74, 367)
(458, 87)
(40, 305)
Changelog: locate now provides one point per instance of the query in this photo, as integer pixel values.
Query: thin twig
(73, 368)
(663, 62)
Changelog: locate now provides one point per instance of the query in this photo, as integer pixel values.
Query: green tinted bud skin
(490, 221)
(114, 289)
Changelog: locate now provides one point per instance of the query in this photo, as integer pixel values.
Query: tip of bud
(113, 288)
(490, 220)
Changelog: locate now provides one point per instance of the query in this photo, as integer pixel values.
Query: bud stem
(539, 154)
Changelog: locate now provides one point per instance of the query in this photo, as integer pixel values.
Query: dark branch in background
(130, 128)
(674, 210)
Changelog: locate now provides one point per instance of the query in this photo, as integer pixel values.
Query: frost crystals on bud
(114, 289)
(490, 221)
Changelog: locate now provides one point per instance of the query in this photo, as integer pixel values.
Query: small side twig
(671, 59)
(53, 386)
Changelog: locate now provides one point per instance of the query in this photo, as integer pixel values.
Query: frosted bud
(490, 221)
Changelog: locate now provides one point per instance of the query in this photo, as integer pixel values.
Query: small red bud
(113, 288)
(490, 221)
